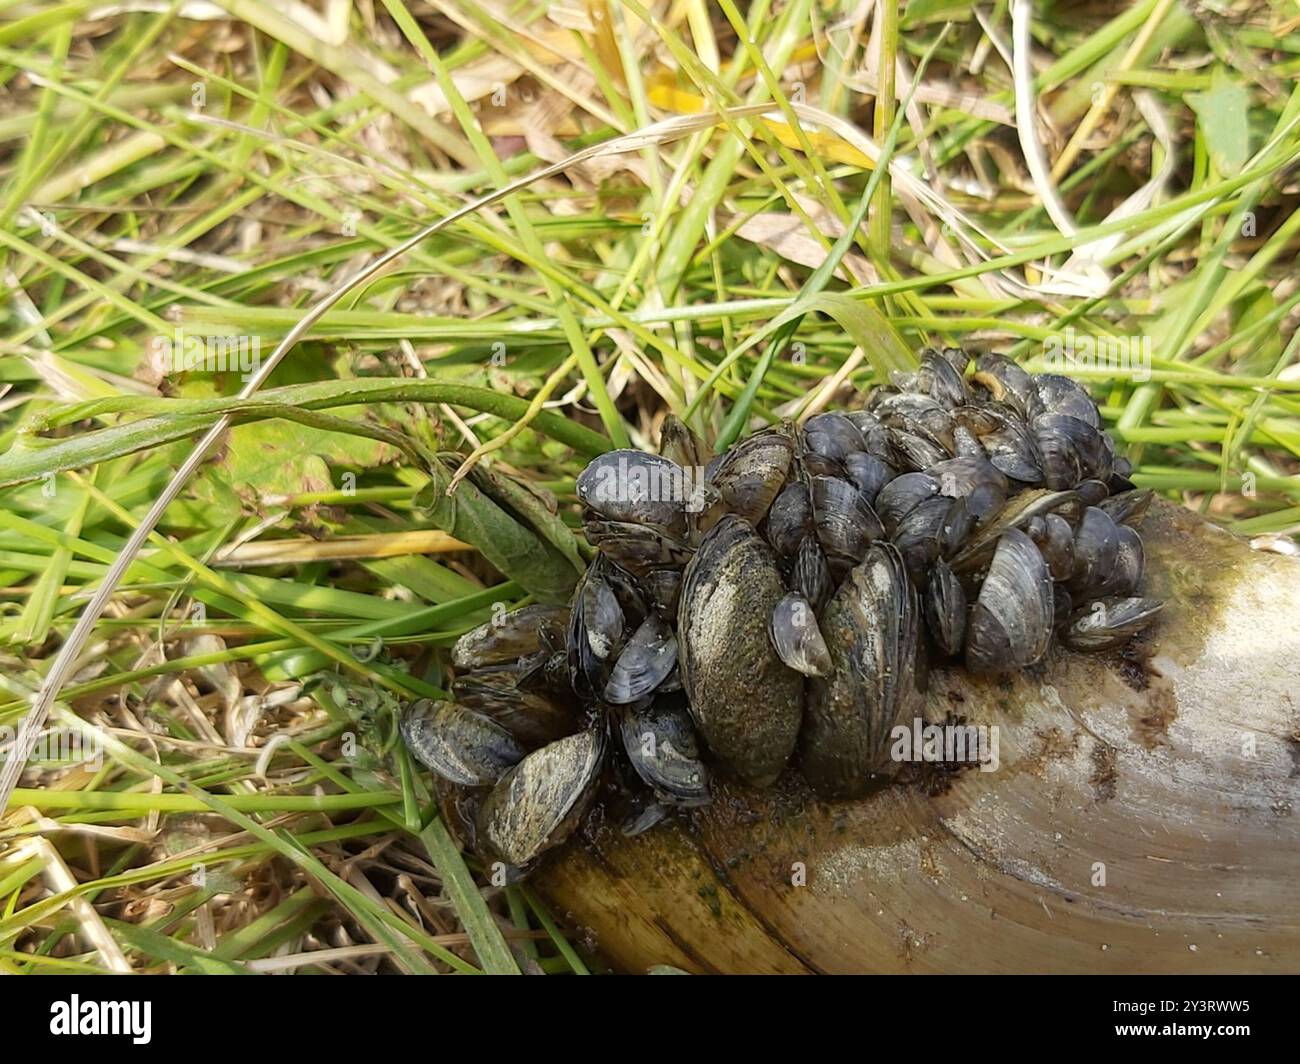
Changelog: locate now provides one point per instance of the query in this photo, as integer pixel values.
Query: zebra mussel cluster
(778, 602)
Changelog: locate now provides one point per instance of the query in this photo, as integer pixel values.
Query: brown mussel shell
(533, 717)
(514, 635)
(748, 477)
(458, 744)
(538, 803)
(745, 701)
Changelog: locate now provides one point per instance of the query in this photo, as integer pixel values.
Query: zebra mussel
(780, 607)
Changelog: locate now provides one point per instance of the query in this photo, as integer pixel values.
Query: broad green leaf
(282, 458)
(1223, 116)
(1257, 356)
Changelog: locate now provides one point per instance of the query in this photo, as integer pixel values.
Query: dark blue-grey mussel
(1054, 538)
(1071, 450)
(875, 438)
(790, 519)
(1061, 395)
(1011, 623)
(945, 609)
(638, 488)
(1110, 622)
(934, 528)
(938, 377)
(919, 416)
(1125, 578)
(844, 521)
(871, 634)
(538, 803)
(597, 630)
(1019, 511)
(901, 495)
(1004, 382)
(608, 606)
(1006, 439)
(832, 436)
(460, 745)
(975, 479)
(1096, 548)
(1092, 492)
(744, 700)
(644, 663)
(912, 452)
(868, 473)
(662, 586)
(748, 477)
(662, 748)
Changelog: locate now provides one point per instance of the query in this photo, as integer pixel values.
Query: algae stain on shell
(746, 702)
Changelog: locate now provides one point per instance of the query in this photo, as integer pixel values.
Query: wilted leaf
(535, 508)
(516, 552)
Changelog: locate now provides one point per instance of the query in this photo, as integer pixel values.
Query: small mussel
(939, 378)
(832, 436)
(537, 804)
(637, 488)
(1127, 507)
(607, 607)
(750, 475)
(1011, 624)
(512, 636)
(534, 717)
(644, 664)
(1104, 624)
(870, 630)
(1096, 548)
(1004, 382)
(945, 609)
(661, 746)
(843, 520)
(458, 744)
(797, 636)
(790, 519)
(901, 496)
